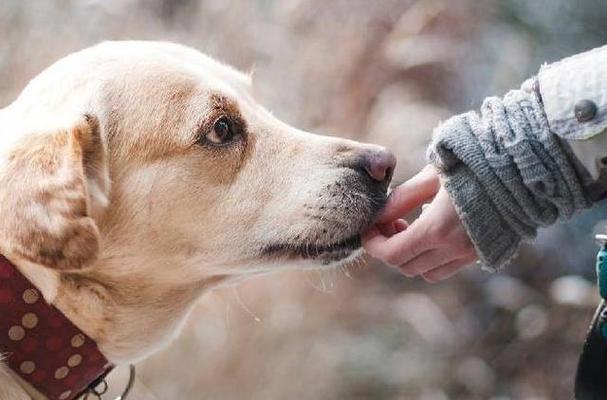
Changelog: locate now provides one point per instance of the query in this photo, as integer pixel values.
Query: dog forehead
(138, 66)
(174, 60)
(204, 63)
(151, 95)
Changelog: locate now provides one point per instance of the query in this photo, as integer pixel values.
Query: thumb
(410, 195)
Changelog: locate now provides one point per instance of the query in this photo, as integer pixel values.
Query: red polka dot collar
(41, 345)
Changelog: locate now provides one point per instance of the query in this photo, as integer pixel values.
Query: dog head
(201, 175)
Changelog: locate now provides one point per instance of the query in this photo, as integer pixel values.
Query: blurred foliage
(383, 71)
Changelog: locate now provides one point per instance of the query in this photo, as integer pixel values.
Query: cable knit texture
(506, 173)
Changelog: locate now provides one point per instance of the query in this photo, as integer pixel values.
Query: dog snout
(379, 164)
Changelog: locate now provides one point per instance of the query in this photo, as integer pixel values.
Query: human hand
(435, 246)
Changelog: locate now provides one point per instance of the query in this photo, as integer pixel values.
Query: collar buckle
(99, 387)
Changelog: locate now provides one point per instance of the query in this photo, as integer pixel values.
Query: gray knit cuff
(506, 173)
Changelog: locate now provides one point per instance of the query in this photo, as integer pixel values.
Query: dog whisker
(244, 306)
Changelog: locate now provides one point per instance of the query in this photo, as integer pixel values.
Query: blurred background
(384, 71)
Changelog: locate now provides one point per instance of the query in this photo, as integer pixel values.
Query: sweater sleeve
(507, 173)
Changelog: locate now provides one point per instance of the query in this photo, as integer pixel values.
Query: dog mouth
(325, 253)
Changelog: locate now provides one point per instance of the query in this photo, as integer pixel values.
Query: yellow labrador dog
(136, 176)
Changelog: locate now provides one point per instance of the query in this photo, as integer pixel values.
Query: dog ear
(53, 184)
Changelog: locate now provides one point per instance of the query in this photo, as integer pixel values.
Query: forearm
(507, 173)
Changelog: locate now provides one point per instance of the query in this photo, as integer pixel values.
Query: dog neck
(127, 312)
(32, 327)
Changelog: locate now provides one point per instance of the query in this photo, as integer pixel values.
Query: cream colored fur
(123, 220)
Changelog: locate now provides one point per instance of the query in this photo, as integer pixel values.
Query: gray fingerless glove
(506, 173)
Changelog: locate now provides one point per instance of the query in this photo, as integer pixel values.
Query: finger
(400, 225)
(387, 229)
(390, 228)
(371, 234)
(408, 196)
(399, 248)
(426, 262)
(446, 271)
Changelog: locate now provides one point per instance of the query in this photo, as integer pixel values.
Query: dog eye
(222, 132)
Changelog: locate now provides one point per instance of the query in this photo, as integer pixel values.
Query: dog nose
(379, 164)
